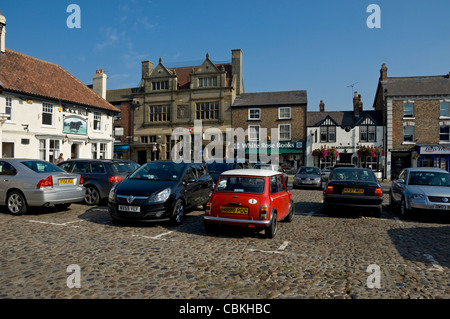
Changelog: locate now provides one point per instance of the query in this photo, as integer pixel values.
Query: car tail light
(378, 192)
(263, 212)
(208, 208)
(81, 180)
(329, 190)
(115, 179)
(46, 182)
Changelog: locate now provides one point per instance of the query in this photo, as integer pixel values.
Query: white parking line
(156, 237)
(283, 247)
(433, 261)
(278, 251)
(57, 224)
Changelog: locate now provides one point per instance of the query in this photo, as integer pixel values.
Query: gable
(328, 121)
(207, 67)
(160, 71)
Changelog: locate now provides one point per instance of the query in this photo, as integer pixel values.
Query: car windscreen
(122, 167)
(429, 179)
(220, 167)
(241, 184)
(309, 170)
(159, 171)
(348, 174)
(42, 167)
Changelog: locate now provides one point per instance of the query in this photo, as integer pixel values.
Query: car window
(190, 173)
(122, 167)
(41, 166)
(429, 179)
(280, 184)
(159, 171)
(65, 166)
(98, 168)
(7, 169)
(241, 184)
(80, 167)
(273, 185)
(342, 174)
(309, 170)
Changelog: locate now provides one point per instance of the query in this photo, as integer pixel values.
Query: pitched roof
(344, 118)
(417, 85)
(271, 99)
(24, 74)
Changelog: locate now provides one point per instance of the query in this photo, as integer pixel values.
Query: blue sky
(321, 46)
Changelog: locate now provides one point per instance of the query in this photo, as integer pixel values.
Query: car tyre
(404, 211)
(272, 229)
(16, 203)
(92, 196)
(178, 213)
(290, 216)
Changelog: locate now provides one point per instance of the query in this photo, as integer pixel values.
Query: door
(7, 172)
(276, 196)
(398, 188)
(75, 151)
(191, 189)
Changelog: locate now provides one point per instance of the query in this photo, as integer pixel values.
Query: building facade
(46, 111)
(177, 98)
(416, 111)
(355, 137)
(259, 113)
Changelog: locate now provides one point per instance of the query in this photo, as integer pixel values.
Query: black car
(217, 168)
(161, 190)
(99, 175)
(353, 188)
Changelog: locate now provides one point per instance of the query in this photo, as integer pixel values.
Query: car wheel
(271, 230)
(92, 196)
(16, 203)
(290, 216)
(178, 213)
(404, 211)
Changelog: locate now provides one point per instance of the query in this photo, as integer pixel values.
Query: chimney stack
(147, 68)
(2, 33)
(236, 70)
(321, 106)
(383, 72)
(357, 104)
(99, 83)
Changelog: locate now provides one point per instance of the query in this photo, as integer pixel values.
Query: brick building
(416, 111)
(285, 111)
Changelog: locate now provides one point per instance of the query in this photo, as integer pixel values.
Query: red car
(252, 198)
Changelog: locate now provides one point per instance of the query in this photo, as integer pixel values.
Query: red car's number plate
(235, 210)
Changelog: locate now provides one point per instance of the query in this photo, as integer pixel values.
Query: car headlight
(112, 193)
(162, 196)
(417, 196)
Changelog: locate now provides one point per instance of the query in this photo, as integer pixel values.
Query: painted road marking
(278, 251)
(156, 237)
(57, 224)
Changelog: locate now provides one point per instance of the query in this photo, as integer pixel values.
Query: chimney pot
(99, 83)
(321, 106)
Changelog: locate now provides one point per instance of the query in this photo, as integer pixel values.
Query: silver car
(421, 189)
(308, 176)
(30, 182)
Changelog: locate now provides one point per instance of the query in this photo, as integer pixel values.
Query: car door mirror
(191, 180)
(401, 181)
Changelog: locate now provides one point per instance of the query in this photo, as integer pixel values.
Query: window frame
(412, 135)
(405, 115)
(251, 132)
(284, 117)
(280, 138)
(48, 108)
(258, 110)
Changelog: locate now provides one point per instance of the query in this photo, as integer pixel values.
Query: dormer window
(160, 85)
(207, 82)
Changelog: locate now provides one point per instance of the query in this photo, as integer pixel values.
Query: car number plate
(66, 181)
(235, 210)
(134, 209)
(353, 190)
(444, 207)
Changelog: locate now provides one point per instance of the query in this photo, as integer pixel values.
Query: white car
(31, 182)
(421, 189)
(273, 167)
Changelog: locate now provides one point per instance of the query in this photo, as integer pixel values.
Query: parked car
(160, 190)
(252, 198)
(421, 189)
(273, 167)
(308, 176)
(30, 182)
(216, 168)
(99, 175)
(353, 188)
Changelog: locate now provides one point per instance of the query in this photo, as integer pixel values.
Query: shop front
(433, 156)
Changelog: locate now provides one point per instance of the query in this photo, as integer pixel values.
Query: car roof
(250, 172)
(426, 169)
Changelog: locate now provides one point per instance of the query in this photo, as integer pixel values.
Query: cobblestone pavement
(342, 255)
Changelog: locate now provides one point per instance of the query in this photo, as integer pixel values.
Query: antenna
(352, 86)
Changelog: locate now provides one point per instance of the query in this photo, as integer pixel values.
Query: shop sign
(437, 149)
